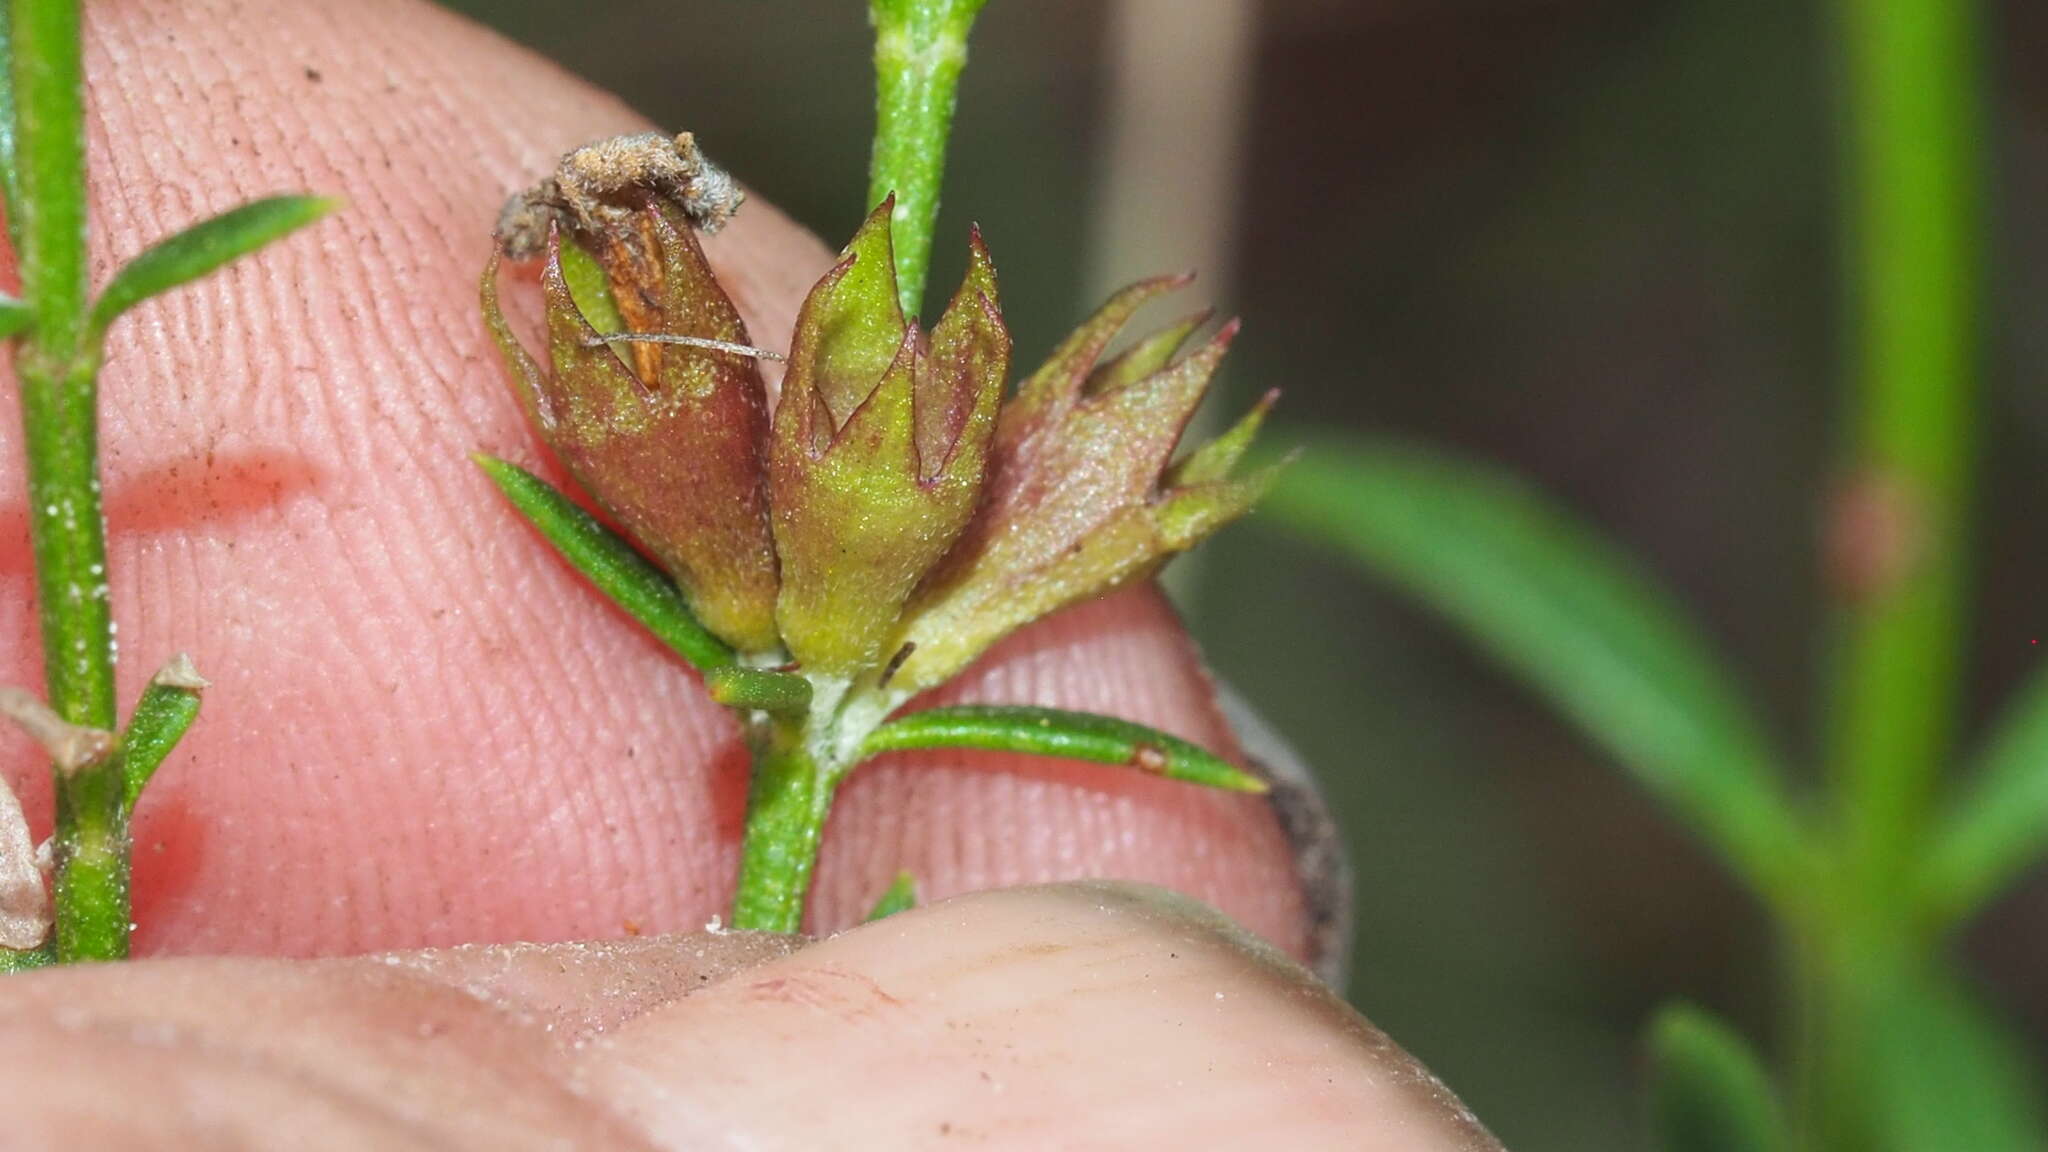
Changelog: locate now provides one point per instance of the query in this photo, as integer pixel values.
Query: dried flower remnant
(1081, 499)
(671, 446)
(71, 747)
(597, 187)
(24, 893)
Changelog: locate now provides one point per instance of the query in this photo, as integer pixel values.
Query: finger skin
(1092, 1016)
(423, 728)
(1087, 1016)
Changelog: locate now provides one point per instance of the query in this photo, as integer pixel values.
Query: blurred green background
(1594, 241)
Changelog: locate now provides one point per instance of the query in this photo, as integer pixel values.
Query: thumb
(424, 729)
(1086, 1016)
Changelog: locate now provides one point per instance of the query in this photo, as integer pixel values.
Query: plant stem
(920, 48)
(1911, 195)
(58, 378)
(49, 96)
(786, 810)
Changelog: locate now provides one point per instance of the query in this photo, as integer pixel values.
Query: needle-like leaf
(1709, 1092)
(1054, 732)
(610, 562)
(204, 248)
(167, 708)
(1999, 826)
(1571, 615)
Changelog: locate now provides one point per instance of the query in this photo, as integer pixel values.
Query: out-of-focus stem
(1911, 198)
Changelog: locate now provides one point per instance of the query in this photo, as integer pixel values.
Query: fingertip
(1061, 1016)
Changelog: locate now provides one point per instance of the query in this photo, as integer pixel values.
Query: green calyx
(880, 449)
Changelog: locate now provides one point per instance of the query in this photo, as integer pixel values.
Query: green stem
(59, 402)
(1910, 195)
(49, 96)
(791, 795)
(1912, 198)
(920, 48)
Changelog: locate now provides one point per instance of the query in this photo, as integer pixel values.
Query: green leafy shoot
(611, 563)
(1053, 732)
(760, 689)
(1708, 1090)
(1573, 617)
(900, 896)
(15, 315)
(1999, 826)
(168, 707)
(203, 248)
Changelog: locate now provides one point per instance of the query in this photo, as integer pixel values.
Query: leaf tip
(181, 673)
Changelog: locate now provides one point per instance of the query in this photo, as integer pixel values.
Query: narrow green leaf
(1708, 1090)
(610, 562)
(204, 248)
(1947, 1076)
(167, 708)
(1999, 825)
(15, 315)
(1572, 616)
(12, 960)
(1053, 732)
(901, 896)
(758, 688)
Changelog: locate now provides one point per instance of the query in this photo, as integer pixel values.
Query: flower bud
(880, 446)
